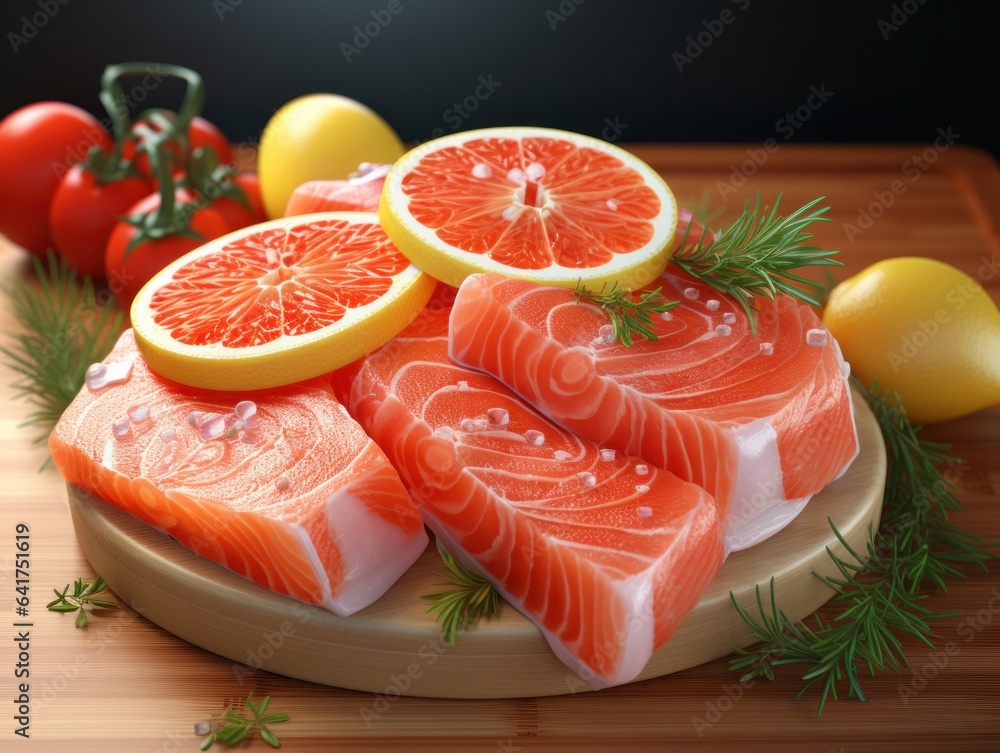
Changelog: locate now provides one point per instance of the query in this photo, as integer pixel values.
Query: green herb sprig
(879, 595)
(64, 329)
(755, 255)
(473, 597)
(85, 597)
(230, 727)
(629, 317)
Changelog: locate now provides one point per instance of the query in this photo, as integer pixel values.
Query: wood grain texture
(126, 685)
(505, 657)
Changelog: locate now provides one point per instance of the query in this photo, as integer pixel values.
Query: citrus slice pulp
(278, 302)
(551, 206)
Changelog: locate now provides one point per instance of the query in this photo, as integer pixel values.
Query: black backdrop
(720, 70)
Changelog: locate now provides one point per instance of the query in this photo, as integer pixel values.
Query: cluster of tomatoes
(119, 207)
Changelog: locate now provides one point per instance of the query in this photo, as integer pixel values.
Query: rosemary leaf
(473, 597)
(756, 255)
(629, 317)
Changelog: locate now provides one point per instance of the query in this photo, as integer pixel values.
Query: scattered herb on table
(85, 598)
(755, 255)
(628, 316)
(231, 726)
(473, 597)
(64, 329)
(879, 599)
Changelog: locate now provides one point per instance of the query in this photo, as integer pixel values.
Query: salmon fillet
(360, 193)
(603, 552)
(762, 423)
(299, 500)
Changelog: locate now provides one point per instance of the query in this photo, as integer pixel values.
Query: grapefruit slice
(550, 206)
(277, 303)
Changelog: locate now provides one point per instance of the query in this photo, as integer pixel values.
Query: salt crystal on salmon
(606, 578)
(309, 507)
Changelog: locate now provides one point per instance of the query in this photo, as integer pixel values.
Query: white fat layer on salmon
(759, 507)
(374, 552)
(845, 369)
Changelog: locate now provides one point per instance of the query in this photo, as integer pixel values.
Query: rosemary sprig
(880, 596)
(473, 597)
(64, 330)
(230, 727)
(755, 255)
(83, 599)
(628, 316)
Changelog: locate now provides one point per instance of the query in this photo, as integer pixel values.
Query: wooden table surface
(123, 684)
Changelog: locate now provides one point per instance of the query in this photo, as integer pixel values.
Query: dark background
(575, 64)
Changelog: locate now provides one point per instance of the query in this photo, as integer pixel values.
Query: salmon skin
(762, 423)
(282, 487)
(603, 552)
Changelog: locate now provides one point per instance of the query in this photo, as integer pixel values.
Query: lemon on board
(922, 328)
(319, 137)
(277, 303)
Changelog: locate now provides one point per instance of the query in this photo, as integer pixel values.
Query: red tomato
(127, 271)
(203, 133)
(200, 133)
(38, 145)
(235, 214)
(83, 213)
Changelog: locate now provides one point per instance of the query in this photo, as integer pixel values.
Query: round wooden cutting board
(393, 647)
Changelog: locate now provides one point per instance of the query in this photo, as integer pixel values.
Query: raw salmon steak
(762, 423)
(359, 193)
(281, 487)
(605, 553)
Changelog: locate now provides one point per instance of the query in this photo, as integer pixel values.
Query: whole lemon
(319, 137)
(922, 328)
